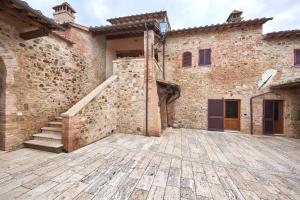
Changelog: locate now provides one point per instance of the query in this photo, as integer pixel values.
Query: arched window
(187, 59)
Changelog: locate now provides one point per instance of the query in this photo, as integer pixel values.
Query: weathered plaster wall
(48, 76)
(113, 46)
(239, 57)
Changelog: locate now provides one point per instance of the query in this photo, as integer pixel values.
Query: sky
(182, 13)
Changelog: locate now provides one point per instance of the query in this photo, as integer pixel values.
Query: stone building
(64, 85)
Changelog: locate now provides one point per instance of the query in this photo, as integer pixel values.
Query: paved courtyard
(183, 164)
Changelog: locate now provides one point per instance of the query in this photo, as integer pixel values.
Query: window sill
(204, 65)
(297, 66)
(186, 67)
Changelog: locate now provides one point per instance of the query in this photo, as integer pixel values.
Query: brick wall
(239, 57)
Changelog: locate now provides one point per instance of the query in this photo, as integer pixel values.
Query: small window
(232, 109)
(187, 59)
(204, 57)
(297, 57)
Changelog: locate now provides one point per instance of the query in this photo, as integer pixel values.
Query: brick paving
(182, 164)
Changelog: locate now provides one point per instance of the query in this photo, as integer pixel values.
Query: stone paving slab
(182, 164)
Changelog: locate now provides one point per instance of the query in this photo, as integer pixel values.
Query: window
(297, 57)
(232, 109)
(204, 57)
(187, 59)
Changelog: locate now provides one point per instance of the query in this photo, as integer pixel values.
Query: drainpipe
(251, 109)
(147, 78)
(164, 51)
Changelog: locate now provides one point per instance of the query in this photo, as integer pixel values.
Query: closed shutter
(207, 56)
(216, 115)
(204, 57)
(297, 56)
(268, 120)
(201, 57)
(187, 59)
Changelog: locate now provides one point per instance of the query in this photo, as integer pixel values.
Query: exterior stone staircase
(49, 139)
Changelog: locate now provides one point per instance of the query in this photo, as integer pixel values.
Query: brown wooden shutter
(268, 120)
(207, 56)
(297, 56)
(201, 57)
(216, 115)
(204, 57)
(187, 59)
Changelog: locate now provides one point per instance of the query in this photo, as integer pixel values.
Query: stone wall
(239, 58)
(92, 118)
(116, 105)
(48, 75)
(130, 95)
(291, 99)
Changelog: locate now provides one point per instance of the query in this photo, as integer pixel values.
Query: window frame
(295, 57)
(190, 62)
(205, 63)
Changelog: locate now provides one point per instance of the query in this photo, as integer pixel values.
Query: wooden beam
(34, 34)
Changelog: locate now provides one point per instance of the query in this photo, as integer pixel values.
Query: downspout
(164, 51)
(147, 78)
(251, 109)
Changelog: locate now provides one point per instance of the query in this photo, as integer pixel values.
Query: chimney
(235, 16)
(64, 13)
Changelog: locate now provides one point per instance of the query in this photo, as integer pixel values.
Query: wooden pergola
(131, 29)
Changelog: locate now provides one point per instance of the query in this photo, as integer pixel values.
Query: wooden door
(232, 115)
(278, 117)
(216, 114)
(268, 117)
(273, 117)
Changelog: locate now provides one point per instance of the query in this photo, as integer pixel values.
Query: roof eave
(223, 26)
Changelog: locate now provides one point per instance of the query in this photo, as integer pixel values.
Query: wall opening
(2, 103)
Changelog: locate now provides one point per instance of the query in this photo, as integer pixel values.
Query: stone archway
(2, 103)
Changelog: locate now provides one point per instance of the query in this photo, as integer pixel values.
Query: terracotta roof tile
(213, 27)
(37, 13)
(283, 34)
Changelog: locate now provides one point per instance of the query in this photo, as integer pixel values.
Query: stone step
(54, 147)
(58, 118)
(48, 136)
(51, 129)
(55, 124)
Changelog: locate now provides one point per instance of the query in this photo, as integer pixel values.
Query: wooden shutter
(216, 115)
(207, 56)
(268, 120)
(186, 59)
(201, 57)
(297, 56)
(204, 57)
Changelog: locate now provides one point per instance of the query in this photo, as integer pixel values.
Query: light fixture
(163, 26)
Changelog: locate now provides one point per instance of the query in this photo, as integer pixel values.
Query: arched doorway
(2, 103)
